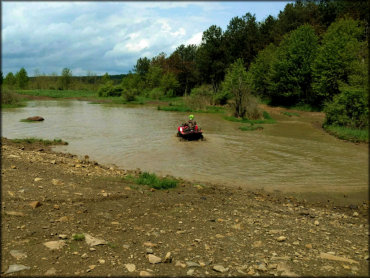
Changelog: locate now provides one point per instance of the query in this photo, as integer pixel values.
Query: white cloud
(195, 39)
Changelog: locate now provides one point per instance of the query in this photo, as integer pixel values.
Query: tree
(142, 66)
(105, 78)
(154, 75)
(169, 84)
(236, 82)
(66, 78)
(340, 47)
(21, 78)
(1, 78)
(291, 75)
(9, 80)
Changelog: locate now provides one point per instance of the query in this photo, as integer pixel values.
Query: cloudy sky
(109, 36)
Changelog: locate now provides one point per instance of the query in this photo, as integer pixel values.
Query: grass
(350, 134)
(58, 93)
(290, 114)
(32, 140)
(13, 105)
(267, 119)
(28, 121)
(183, 108)
(153, 181)
(250, 127)
(78, 237)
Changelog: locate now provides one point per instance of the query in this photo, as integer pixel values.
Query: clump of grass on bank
(153, 181)
(290, 114)
(267, 119)
(32, 140)
(350, 134)
(78, 237)
(250, 127)
(28, 121)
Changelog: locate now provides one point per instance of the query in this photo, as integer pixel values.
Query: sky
(99, 37)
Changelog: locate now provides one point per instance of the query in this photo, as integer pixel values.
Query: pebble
(84, 256)
(281, 238)
(35, 204)
(149, 251)
(317, 223)
(63, 236)
(355, 214)
(130, 267)
(308, 246)
(167, 258)
(51, 271)
(18, 254)
(55, 245)
(154, 259)
(192, 264)
(101, 261)
(144, 273)
(16, 267)
(37, 179)
(220, 268)
(178, 263)
(190, 272)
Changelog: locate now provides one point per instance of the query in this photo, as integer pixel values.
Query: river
(289, 156)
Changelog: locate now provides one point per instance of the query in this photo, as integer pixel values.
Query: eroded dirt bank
(204, 230)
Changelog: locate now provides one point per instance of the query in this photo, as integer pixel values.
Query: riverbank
(208, 230)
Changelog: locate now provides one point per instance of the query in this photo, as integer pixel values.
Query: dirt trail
(207, 230)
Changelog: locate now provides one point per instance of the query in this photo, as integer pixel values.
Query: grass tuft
(350, 134)
(78, 237)
(153, 181)
(290, 114)
(32, 140)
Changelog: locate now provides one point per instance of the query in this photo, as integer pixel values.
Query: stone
(296, 242)
(336, 258)
(257, 244)
(144, 273)
(149, 244)
(281, 238)
(84, 256)
(167, 258)
(237, 226)
(51, 271)
(130, 267)
(61, 236)
(62, 219)
(317, 223)
(56, 182)
(14, 213)
(13, 167)
(92, 241)
(192, 264)
(178, 263)
(154, 259)
(101, 261)
(190, 272)
(149, 251)
(55, 245)
(355, 214)
(219, 268)
(92, 266)
(262, 267)
(308, 246)
(35, 118)
(37, 179)
(16, 267)
(18, 254)
(53, 162)
(35, 204)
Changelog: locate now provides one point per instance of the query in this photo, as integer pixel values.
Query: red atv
(185, 132)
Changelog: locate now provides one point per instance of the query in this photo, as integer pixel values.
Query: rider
(192, 123)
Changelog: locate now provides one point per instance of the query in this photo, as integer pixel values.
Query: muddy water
(291, 155)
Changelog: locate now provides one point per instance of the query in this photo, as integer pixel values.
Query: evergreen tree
(21, 78)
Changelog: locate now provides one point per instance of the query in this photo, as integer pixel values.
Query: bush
(156, 93)
(9, 97)
(109, 90)
(348, 109)
(153, 181)
(129, 94)
(200, 97)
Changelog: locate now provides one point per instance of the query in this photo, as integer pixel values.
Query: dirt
(209, 230)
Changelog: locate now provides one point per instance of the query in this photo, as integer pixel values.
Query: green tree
(21, 78)
(291, 75)
(9, 80)
(259, 71)
(142, 66)
(169, 84)
(340, 48)
(153, 77)
(236, 83)
(66, 78)
(105, 78)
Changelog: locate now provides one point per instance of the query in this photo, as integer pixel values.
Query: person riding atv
(191, 123)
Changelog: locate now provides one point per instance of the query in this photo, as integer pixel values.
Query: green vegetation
(31, 140)
(78, 237)
(58, 94)
(9, 99)
(28, 121)
(251, 127)
(153, 181)
(182, 108)
(290, 114)
(350, 134)
(267, 119)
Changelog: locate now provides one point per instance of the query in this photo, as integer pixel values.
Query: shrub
(349, 109)
(153, 181)
(156, 93)
(9, 96)
(109, 90)
(200, 97)
(129, 94)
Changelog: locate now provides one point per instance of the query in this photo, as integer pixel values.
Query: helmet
(191, 117)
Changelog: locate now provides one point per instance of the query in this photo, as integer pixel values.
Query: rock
(327, 268)
(92, 241)
(14, 213)
(101, 261)
(149, 244)
(35, 118)
(237, 226)
(257, 244)
(149, 251)
(84, 256)
(92, 266)
(35, 204)
(178, 263)
(262, 267)
(18, 254)
(37, 179)
(13, 167)
(336, 258)
(144, 273)
(281, 238)
(51, 271)
(53, 162)
(296, 242)
(192, 264)
(167, 258)
(63, 236)
(355, 214)
(317, 223)
(154, 259)
(16, 267)
(56, 182)
(308, 246)
(219, 268)
(130, 267)
(54, 245)
(190, 272)
(62, 219)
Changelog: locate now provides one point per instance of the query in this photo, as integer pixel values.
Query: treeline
(64, 81)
